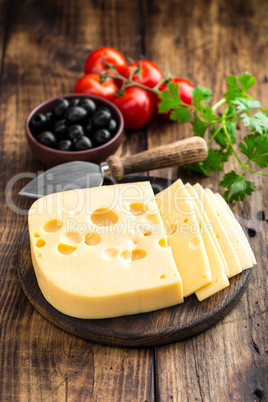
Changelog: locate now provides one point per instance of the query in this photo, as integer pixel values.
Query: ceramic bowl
(52, 157)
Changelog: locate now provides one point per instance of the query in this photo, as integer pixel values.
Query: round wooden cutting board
(147, 329)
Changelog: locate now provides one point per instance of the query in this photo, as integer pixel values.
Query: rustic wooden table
(43, 46)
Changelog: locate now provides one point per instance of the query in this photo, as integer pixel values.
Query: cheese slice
(204, 216)
(240, 249)
(102, 252)
(184, 237)
(229, 253)
(219, 278)
(241, 233)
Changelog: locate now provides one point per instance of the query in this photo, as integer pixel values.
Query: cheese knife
(77, 174)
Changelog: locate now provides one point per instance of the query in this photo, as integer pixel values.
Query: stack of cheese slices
(119, 250)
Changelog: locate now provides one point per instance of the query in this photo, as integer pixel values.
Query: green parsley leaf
(254, 122)
(180, 114)
(212, 163)
(201, 94)
(199, 126)
(246, 104)
(207, 114)
(220, 138)
(233, 90)
(246, 81)
(169, 98)
(237, 187)
(256, 149)
(167, 102)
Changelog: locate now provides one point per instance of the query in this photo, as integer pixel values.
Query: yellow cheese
(202, 211)
(177, 211)
(102, 252)
(238, 245)
(229, 253)
(219, 278)
(238, 227)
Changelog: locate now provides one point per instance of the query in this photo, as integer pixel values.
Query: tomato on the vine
(148, 75)
(185, 93)
(90, 84)
(136, 106)
(94, 62)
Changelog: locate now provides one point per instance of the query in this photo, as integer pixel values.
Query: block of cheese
(219, 278)
(184, 237)
(238, 245)
(243, 237)
(229, 253)
(102, 252)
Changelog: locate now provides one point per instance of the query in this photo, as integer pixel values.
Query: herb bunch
(221, 128)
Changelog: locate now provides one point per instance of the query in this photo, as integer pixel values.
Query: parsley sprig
(221, 129)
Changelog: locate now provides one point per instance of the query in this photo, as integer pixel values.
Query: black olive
(60, 106)
(100, 137)
(101, 117)
(88, 105)
(50, 118)
(38, 123)
(82, 144)
(75, 132)
(65, 145)
(61, 128)
(112, 126)
(75, 114)
(89, 128)
(74, 101)
(47, 138)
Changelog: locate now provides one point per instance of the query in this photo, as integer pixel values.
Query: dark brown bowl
(52, 157)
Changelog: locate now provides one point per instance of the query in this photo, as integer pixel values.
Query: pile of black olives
(74, 125)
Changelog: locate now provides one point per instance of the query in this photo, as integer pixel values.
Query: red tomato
(94, 62)
(185, 93)
(136, 106)
(149, 74)
(90, 84)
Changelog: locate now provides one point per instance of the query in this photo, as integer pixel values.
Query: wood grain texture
(46, 44)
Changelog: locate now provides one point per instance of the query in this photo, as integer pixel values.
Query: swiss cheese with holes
(102, 252)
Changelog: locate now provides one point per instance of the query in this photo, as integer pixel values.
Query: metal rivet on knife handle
(183, 152)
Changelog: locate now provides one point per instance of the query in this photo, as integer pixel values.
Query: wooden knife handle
(183, 152)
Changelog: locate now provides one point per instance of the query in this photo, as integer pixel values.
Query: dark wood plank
(204, 41)
(47, 44)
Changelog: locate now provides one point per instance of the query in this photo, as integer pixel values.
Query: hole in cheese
(163, 277)
(92, 239)
(162, 243)
(104, 217)
(110, 253)
(52, 226)
(36, 234)
(138, 254)
(195, 242)
(40, 243)
(152, 218)
(171, 229)
(72, 237)
(147, 233)
(137, 208)
(125, 255)
(66, 249)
